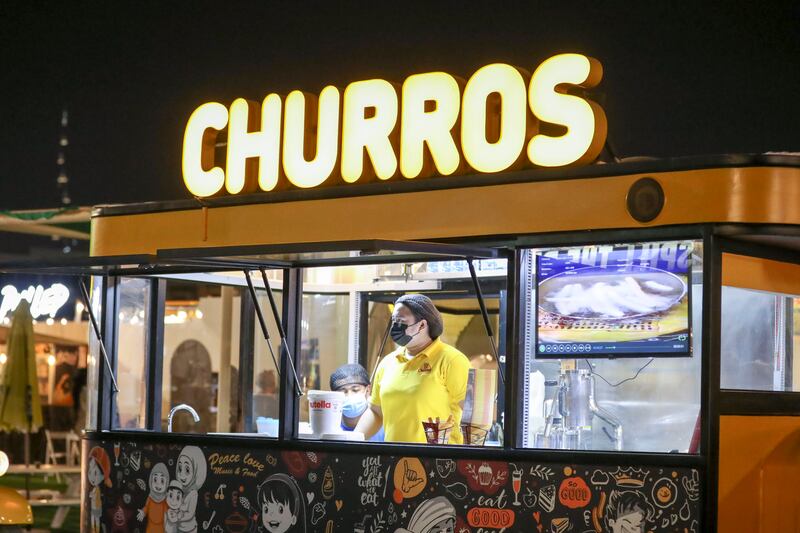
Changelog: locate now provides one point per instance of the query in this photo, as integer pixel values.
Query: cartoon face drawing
(627, 512)
(445, 526)
(174, 498)
(158, 482)
(277, 516)
(95, 473)
(184, 470)
(281, 504)
(436, 515)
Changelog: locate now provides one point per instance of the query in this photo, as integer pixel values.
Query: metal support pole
(485, 315)
(96, 329)
(281, 332)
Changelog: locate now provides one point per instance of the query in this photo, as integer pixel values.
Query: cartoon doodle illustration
(391, 515)
(300, 463)
(310, 496)
(628, 511)
(98, 472)
(219, 494)
(208, 522)
(155, 506)
(630, 477)
(560, 525)
(190, 471)
(692, 486)
(664, 492)
(119, 518)
(445, 467)
(244, 502)
(487, 477)
(436, 515)
(529, 499)
(327, 484)
(574, 493)
(283, 508)
(339, 504)
(599, 478)
(312, 477)
(547, 498)
(685, 513)
(516, 484)
(361, 527)
(236, 523)
(136, 460)
(542, 472)
(217, 529)
(409, 478)
(317, 513)
(174, 500)
(458, 490)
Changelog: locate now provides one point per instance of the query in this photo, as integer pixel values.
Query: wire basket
(436, 432)
(474, 435)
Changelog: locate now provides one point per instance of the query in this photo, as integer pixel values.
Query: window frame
(744, 402)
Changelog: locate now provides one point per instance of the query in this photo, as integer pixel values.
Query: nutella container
(325, 411)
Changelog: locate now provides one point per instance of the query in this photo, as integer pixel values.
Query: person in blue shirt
(353, 381)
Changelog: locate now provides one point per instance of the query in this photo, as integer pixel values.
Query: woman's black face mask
(399, 335)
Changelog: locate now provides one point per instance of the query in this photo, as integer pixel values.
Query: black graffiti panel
(137, 487)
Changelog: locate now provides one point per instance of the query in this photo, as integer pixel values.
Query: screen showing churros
(623, 300)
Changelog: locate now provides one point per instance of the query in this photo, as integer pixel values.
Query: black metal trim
(734, 244)
(154, 361)
(292, 315)
(247, 324)
(108, 326)
(513, 356)
(710, 376)
(674, 164)
(413, 450)
(758, 403)
(242, 256)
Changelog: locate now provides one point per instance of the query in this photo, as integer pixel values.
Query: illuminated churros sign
(433, 124)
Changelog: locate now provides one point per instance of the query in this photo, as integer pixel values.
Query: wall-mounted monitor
(625, 300)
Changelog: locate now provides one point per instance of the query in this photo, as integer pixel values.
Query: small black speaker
(645, 199)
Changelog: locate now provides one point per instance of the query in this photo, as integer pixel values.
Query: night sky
(678, 80)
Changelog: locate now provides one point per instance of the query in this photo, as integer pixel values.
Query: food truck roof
(737, 190)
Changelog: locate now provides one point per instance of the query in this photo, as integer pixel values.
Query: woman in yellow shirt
(425, 378)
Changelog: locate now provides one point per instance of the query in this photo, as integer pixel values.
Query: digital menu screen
(628, 300)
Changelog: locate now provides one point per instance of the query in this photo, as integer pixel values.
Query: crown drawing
(630, 477)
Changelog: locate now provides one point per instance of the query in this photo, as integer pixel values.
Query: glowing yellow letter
(584, 120)
(509, 84)
(369, 120)
(298, 138)
(419, 126)
(198, 150)
(249, 149)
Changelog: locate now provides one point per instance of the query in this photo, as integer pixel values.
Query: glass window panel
(760, 310)
(201, 355)
(134, 303)
(266, 377)
(346, 313)
(646, 404)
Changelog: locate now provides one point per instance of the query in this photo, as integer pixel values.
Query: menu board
(627, 300)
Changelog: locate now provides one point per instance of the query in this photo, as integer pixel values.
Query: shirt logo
(425, 368)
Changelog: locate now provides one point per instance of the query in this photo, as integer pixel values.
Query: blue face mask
(354, 405)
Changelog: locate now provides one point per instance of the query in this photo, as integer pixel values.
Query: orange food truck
(615, 342)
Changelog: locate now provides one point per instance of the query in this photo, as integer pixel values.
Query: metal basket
(437, 433)
(474, 435)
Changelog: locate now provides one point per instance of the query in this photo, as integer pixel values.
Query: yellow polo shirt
(431, 384)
